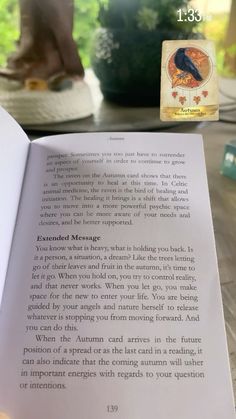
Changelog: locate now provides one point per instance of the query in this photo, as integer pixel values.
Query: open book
(111, 302)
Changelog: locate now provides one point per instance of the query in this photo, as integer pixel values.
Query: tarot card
(189, 86)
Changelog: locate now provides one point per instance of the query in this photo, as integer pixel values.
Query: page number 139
(112, 408)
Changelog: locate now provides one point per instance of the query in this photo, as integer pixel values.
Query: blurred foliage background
(8, 27)
(216, 29)
(85, 23)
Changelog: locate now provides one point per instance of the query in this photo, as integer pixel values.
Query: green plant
(144, 14)
(85, 22)
(8, 28)
(147, 19)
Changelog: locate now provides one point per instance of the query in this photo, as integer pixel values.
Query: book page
(112, 306)
(13, 155)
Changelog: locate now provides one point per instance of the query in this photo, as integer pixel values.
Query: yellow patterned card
(189, 86)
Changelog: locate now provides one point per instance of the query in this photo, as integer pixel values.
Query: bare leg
(46, 46)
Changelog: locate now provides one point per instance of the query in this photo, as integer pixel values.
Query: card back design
(189, 86)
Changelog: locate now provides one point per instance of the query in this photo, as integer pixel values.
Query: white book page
(112, 304)
(13, 154)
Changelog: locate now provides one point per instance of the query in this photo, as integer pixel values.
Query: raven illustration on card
(189, 88)
(186, 64)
